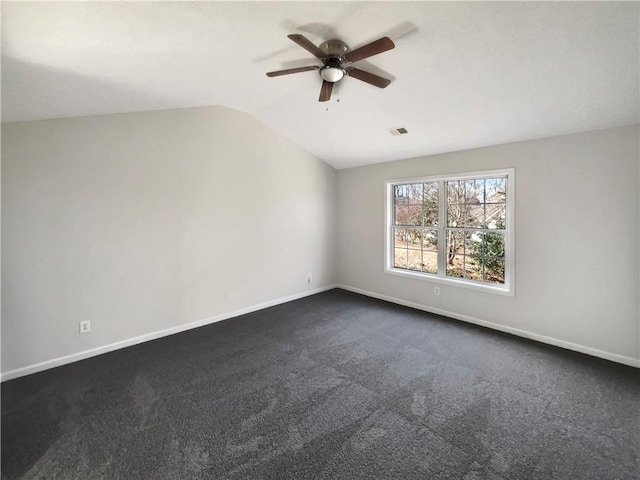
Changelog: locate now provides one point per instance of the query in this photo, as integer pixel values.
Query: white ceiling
(465, 75)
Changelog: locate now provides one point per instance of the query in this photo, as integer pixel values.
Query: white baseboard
(56, 362)
(614, 357)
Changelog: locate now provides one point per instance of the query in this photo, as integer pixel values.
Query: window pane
(414, 215)
(401, 216)
(401, 237)
(474, 254)
(496, 190)
(400, 257)
(474, 191)
(455, 241)
(430, 262)
(455, 215)
(430, 240)
(414, 260)
(415, 193)
(400, 194)
(474, 216)
(414, 238)
(494, 270)
(496, 215)
(430, 218)
(494, 244)
(455, 191)
(455, 266)
(473, 242)
(472, 268)
(431, 195)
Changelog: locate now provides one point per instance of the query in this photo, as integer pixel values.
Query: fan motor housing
(334, 48)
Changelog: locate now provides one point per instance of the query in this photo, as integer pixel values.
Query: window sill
(498, 290)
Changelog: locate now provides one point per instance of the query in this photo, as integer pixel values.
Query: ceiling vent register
(398, 131)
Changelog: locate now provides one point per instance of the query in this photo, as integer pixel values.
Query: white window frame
(502, 289)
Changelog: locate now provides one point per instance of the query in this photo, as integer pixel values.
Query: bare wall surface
(141, 222)
(576, 247)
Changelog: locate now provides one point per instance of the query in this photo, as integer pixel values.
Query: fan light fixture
(332, 74)
(336, 62)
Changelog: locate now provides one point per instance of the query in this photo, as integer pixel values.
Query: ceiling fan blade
(370, 49)
(325, 91)
(292, 70)
(371, 78)
(307, 44)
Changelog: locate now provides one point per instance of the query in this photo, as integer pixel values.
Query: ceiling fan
(337, 59)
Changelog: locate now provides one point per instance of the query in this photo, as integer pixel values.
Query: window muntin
(457, 228)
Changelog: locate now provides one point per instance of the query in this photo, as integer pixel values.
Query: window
(456, 229)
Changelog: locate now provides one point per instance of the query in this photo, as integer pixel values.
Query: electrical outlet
(436, 290)
(309, 278)
(85, 327)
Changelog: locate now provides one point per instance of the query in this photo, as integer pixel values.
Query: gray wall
(577, 262)
(140, 222)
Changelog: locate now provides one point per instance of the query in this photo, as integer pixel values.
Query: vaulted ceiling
(465, 74)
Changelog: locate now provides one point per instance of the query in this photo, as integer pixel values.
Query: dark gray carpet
(333, 386)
